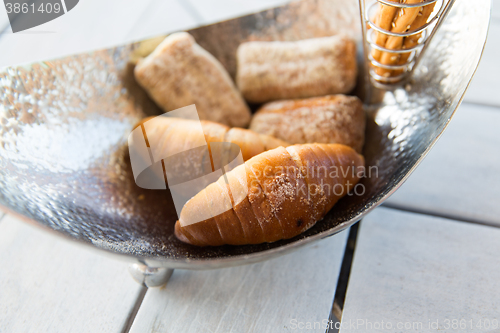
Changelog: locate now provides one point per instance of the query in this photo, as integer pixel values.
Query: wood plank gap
(188, 6)
(430, 212)
(489, 105)
(133, 312)
(416, 269)
(343, 281)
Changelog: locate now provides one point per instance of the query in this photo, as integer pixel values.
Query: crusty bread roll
(268, 71)
(275, 195)
(175, 133)
(328, 119)
(179, 73)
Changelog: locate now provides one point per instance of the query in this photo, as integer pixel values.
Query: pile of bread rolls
(305, 126)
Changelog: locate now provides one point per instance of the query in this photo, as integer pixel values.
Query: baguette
(275, 195)
(268, 71)
(328, 119)
(179, 72)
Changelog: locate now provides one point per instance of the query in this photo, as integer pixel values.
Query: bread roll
(179, 73)
(173, 134)
(328, 119)
(275, 195)
(268, 71)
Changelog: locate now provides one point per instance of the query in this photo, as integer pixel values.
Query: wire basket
(392, 52)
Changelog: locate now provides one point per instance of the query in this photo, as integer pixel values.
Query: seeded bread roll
(268, 71)
(275, 195)
(179, 73)
(328, 119)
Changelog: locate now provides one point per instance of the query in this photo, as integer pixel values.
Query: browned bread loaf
(275, 195)
(175, 133)
(268, 71)
(179, 72)
(328, 119)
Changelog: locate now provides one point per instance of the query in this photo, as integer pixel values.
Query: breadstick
(270, 71)
(384, 20)
(327, 119)
(411, 41)
(402, 22)
(288, 191)
(179, 73)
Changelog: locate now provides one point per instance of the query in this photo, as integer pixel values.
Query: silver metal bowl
(64, 125)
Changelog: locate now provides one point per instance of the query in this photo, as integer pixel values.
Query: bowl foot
(150, 276)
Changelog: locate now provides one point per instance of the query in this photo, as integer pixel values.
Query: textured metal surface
(64, 124)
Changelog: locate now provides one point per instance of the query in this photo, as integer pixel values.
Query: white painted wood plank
(91, 25)
(50, 285)
(412, 269)
(495, 9)
(273, 296)
(162, 17)
(484, 85)
(459, 177)
(210, 11)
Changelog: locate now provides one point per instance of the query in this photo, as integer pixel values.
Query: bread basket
(64, 125)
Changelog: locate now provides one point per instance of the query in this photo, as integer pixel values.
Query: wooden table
(427, 260)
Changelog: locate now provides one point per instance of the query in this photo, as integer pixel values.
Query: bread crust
(280, 203)
(327, 119)
(180, 72)
(268, 71)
